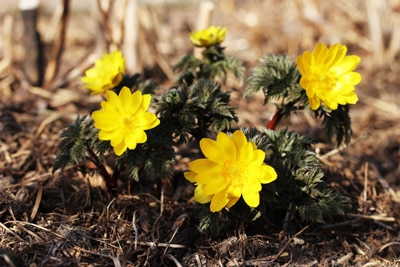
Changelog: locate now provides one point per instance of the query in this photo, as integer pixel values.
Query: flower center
(130, 123)
(326, 82)
(233, 173)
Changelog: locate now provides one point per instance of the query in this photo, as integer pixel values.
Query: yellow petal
(125, 97)
(113, 100)
(199, 196)
(347, 64)
(214, 186)
(208, 176)
(251, 198)
(337, 53)
(226, 146)
(232, 201)
(150, 121)
(120, 149)
(331, 103)
(201, 165)
(136, 102)
(352, 78)
(258, 157)
(116, 137)
(234, 192)
(352, 98)
(104, 124)
(246, 154)
(190, 176)
(141, 136)
(220, 150)
(252, 184)
(270, 175)
(131, 141)
(146, 100)
(219, 201)
(314, 103)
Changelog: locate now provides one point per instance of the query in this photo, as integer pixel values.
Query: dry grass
(68, 219)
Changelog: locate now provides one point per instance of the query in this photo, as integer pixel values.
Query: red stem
(274, 119)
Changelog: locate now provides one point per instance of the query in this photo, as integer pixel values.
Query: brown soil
(69, 219)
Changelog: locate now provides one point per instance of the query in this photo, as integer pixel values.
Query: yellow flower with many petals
(123, 119)
(328, 76)
(212, 35)
(233, 168)
(106, 74)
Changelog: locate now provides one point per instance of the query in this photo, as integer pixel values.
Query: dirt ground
(69, 219)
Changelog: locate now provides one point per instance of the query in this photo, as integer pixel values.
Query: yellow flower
(123, 119)
(328, 76)
(233, 167)
(210, 36)
(106, 74)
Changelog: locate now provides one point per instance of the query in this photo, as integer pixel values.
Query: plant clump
(240, 173)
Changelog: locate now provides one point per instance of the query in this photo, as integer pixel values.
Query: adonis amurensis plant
(240, 174)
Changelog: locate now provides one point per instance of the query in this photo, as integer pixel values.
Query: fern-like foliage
(213, 64)
(337, 123)
(196, 109)
(78, 141)
(278, 77)
(300, 181)
(151, 160)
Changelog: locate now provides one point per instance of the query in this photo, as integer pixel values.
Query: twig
(105, 19)
(157, 244)
(33, 58)
(288, 243)
(116, 261)
(135, 229)
(388, 245)
(365, 181)
(108, 208)
(6, 37)
(373, 217)
(21, 226)
(20, 239)
(177, 263)
(170, 240)
(37, 202)
(339, 224)
(385, 185)
(59, 40)
(88, 195)
(131, 36)
(7, 260)
(375, 27)
(148, 23)
(162, 196)
(53, 117)
(341, 148)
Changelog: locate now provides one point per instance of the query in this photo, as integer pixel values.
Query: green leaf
(277, 76)
(337, 123)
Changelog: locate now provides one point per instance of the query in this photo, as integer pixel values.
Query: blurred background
(153, 34)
